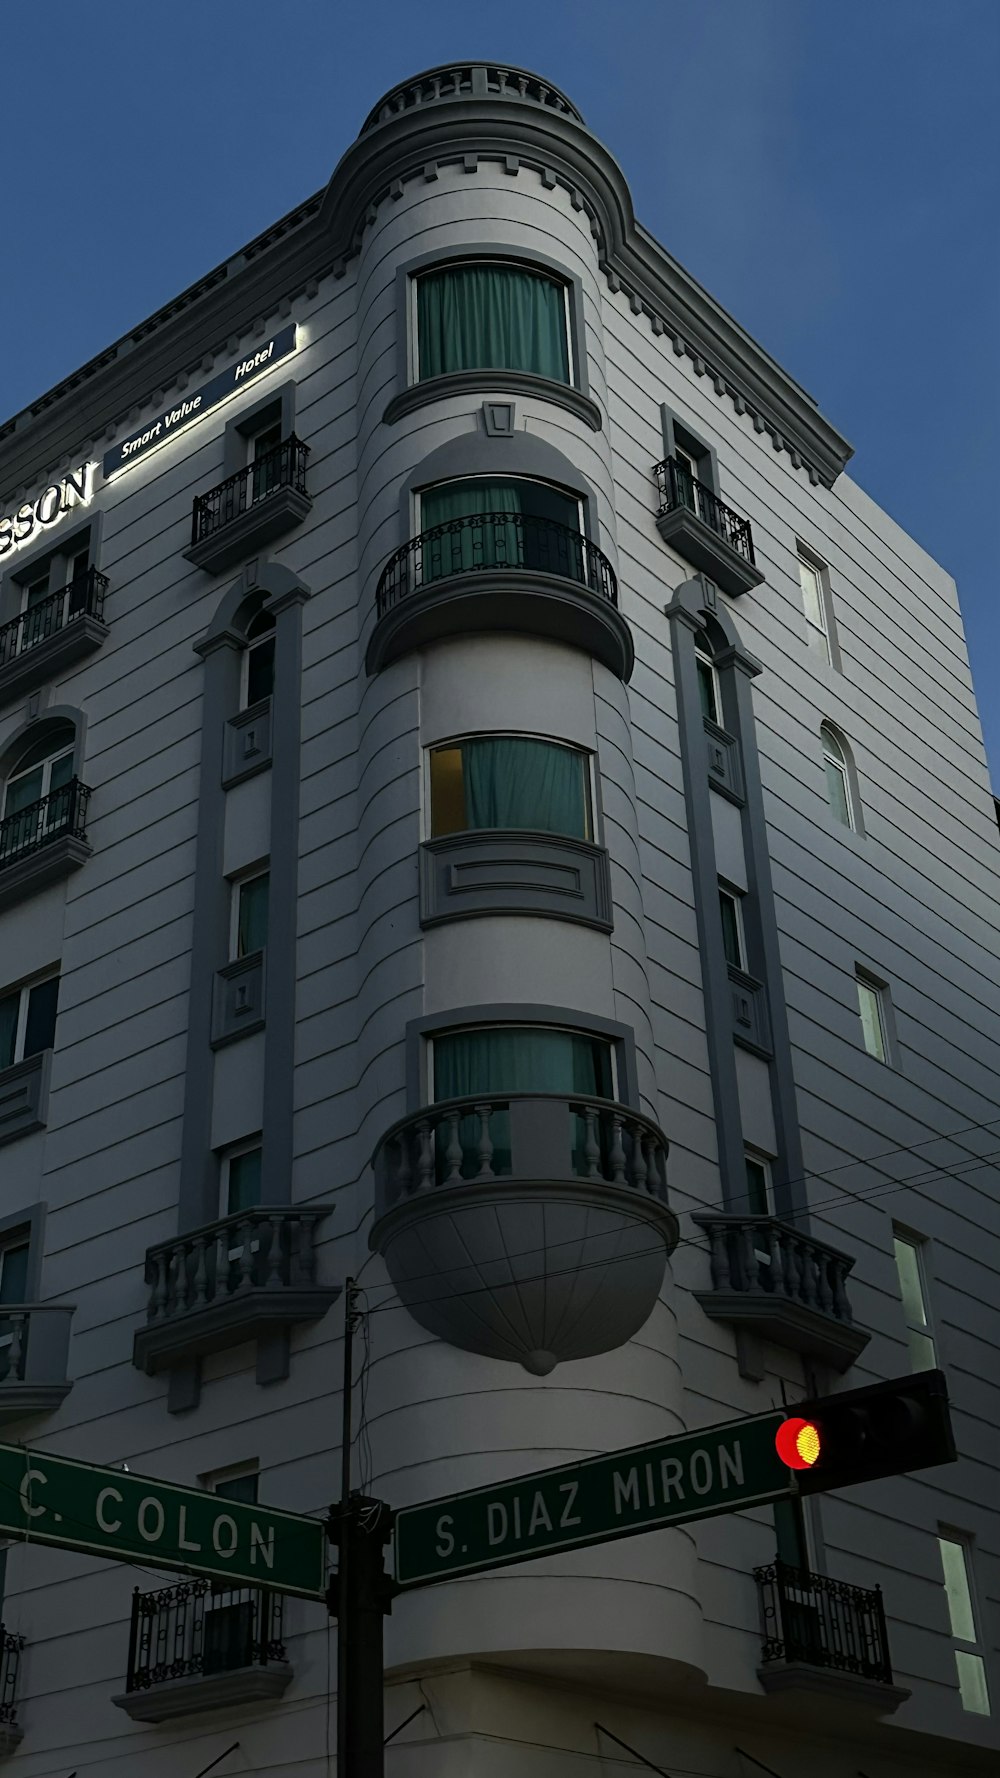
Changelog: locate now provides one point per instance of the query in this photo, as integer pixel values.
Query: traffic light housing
(884, 1429)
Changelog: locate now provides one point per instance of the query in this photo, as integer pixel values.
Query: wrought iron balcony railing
(199, 1628)
(679, 489)
(270, 1247)
(83, 597)
(10, 1664)
(507, 542)
(822, 1622)
(477, 1140)
(284, 467)
(63, 812)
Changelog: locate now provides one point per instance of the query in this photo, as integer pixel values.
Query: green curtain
(513, 781)
(515, 1059)
(552, 546)
(491, 317)
(9, 1008)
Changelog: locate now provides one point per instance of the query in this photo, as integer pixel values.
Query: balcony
(490, 1211)
(11, 1732)
(500, 571)
(708, 534)
(772, 1280)
(821, 1635)
(34, 1353)
(42, 642)
(201, 1645)
(246, 1277)
(250, 508)
(43, 842)
(463, 81)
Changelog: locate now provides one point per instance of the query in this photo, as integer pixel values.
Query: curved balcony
(468, 80)
(533, 1228)
(780, 1284)
(500, 571)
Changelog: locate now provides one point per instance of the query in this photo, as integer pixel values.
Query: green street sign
(132, 1518)
(691, 1476)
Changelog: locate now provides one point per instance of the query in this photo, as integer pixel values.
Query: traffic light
(884, 1429)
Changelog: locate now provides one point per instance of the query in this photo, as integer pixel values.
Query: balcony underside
(704, 548)
(50, 658)
(524, 602)
(251, 1314)
(249, 531)
(785, 1323)
(11, 1736)
(49, 863)
(801, 1684)
(19, 1400)
(206, 1691)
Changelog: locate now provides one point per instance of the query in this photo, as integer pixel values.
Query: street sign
(132, 1518)
(690, 1476)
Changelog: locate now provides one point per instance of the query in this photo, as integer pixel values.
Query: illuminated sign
(52, 504)
(200, 401)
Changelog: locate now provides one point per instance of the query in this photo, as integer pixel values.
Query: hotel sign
(200, 401)
(51, 505)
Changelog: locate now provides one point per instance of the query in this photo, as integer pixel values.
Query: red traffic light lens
(798, 1443)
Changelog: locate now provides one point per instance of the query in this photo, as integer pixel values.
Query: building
(430, 792)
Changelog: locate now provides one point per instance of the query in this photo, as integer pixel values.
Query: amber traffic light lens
(798, 1443)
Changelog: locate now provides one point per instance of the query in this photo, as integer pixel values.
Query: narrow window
(492, 317)
(872, 1008)
(838, 783)
(501, 522)
(259, 660)
(913, 1290)
(815, 603)
(708, 680)
(241, 1186)
(251, 906)
(228, 1623)
(240, 1482)
(265, 457)
(760, 1199)
(956, 1564)
(510, 781)
(733, 943)
(28, 1021)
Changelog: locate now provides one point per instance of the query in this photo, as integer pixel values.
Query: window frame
(920, 1245)
(704, 652)
(452, 262)
(827, 629)
(454, 1030)
(276, 408)
(237, 884)
(977, 1647)
(679, 435)
(569, 1018)
(25, 990)
(250, 644)
(729, 892)
(233, 1152)
(863, 978)
(845, 766)
(595, 836)
(211, 1479)
(15, 579)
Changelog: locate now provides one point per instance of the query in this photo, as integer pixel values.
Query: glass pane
(922, 1354)
(252, 931)
(14, 1273)
(40, 1029)
(512, 781)
(62, 772)
(706, 689)
(23, 791)
(38, 590)
(956, 1586)
(239, 1487)
(871, 1020)
(447, 791)
(757, 1188)
(495, 317)
(260, 671)
(546, 538)
(515, 1059)
(10, 1007)
(836, 790)
(56, 740)
(818, 641)
(812, 599)
(972, 1682)
(731, 930)
(910, 1282)
(244, 1182)
(263, 442)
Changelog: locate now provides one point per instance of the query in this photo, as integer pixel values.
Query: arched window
(838, 778)
(37, 797)
(258, 673)
(709, 689)
(492, 316)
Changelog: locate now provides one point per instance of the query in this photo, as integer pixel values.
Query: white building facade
(489, 808)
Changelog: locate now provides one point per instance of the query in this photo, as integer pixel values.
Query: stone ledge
(486, 382)
(785, 1323)
(689, 535)
(205, 1691)
(796, 1677)
(50, 657)
(53, 861)
(19, 1400)
(245, 1315)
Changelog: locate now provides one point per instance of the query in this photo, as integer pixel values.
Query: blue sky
(830, 171)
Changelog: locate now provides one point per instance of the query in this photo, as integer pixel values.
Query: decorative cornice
(508, 128)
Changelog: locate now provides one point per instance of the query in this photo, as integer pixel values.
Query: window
(241, 1180)
(816, 605)
(250, 899)
(512, 1059)
(38, 795)
(709, 689)
(956, 1564)
(239, 1482)
(28, 1021)
(872, 1008)
(838, 779)
(258, 669)
(510, 781)
(733, 943)
(913, 1290)
(521, 524)
(264, 456)
(491, 316)
(760, 1197)
(49, 591)
(228, 1633)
